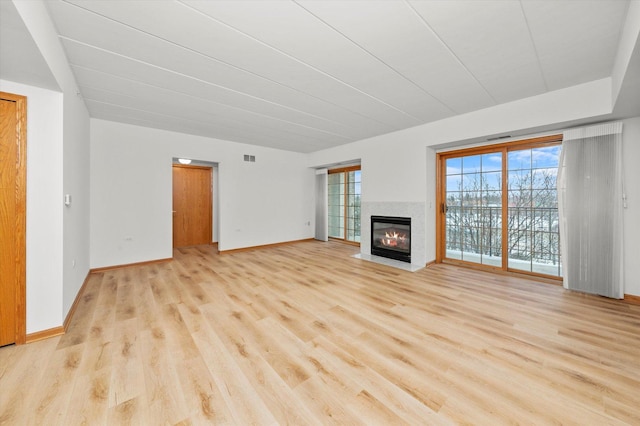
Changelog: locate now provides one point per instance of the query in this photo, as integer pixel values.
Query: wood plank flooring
(306, 334)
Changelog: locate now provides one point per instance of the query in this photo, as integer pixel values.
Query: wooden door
(191, 205)
(12, 218)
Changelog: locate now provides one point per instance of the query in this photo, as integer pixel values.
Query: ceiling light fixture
(184, 161)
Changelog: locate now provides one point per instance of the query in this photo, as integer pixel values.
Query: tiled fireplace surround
(416, 211)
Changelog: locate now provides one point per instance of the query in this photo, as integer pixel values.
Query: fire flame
(391, 239)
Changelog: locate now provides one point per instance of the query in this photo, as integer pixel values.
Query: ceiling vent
(499, 137)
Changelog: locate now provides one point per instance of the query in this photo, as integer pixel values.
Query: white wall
(73, 159)
(75, 183)
(44, 205)
(264, 202)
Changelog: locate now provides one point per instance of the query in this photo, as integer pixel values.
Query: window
(344, 203)
(499, 206)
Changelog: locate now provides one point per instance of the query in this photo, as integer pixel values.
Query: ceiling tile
(395, 34)
(125, 114)
(492, 40)
(279, 103)
(168, 103)
(245, 108)
(272, 22)
(576, 41)
(306, 75)
(207, 47)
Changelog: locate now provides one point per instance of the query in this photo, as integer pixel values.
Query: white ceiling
(306, 75)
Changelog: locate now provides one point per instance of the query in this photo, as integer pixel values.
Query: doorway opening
(194, 206)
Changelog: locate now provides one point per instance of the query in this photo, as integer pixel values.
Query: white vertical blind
(322, 225)
(590, 204)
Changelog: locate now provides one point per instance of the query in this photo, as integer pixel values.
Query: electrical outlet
(128, 238)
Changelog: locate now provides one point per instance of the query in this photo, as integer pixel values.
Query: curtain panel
(590, 206)
(322, 213)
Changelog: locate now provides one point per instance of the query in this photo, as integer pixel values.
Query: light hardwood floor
(306, 334)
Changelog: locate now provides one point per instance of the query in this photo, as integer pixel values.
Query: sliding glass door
(344, 204)
(499, 206)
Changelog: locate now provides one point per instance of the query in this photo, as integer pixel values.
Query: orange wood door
(8, 174)
(191, 205)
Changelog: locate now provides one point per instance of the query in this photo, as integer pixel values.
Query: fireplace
(391, 237)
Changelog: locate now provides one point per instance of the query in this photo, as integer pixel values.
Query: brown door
(12, 217)
(191, 205)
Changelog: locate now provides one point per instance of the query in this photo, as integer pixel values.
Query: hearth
(391, 237)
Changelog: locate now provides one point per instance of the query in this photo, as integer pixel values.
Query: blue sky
(537, 158)
(464, 169)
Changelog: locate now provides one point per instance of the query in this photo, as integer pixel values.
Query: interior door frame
(20, 214)
(192, 166)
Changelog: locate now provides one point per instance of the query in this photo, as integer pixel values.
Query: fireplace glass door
(391, 237)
